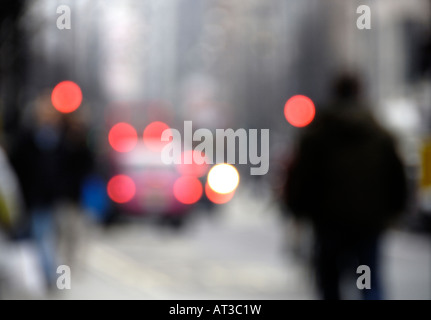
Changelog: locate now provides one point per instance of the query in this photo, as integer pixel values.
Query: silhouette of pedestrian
(347, 178)
(51, 160)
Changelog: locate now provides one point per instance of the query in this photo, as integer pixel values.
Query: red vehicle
(141, 184)
(146, 185)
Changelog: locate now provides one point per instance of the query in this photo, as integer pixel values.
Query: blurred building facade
(247, 58)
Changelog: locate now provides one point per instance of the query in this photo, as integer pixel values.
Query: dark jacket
(346, 171)
(50, 164)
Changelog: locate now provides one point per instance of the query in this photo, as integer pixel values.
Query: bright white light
(223, 178)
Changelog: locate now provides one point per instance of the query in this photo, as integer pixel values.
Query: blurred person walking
(51, 160)
(347, 178)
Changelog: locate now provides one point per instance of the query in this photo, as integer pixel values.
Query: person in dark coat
(51, 160)
(348, 179)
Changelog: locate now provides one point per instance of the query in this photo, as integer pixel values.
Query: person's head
(347, 86)
(45, 113)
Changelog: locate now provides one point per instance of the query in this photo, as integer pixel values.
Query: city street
(237, 252)
(150, 109)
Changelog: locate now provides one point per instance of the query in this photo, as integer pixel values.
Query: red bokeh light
(66, 97)
(218, 198)
(153, 135)
(123, 137)
(188, 190)
(121, 189)
(299, 111)
(193, 169)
